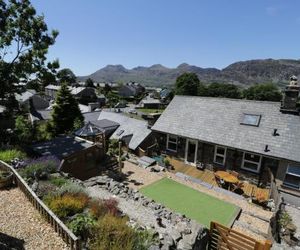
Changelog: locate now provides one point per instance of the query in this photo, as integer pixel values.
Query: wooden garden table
(227, 177)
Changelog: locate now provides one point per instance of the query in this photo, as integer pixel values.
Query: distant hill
(241, 73)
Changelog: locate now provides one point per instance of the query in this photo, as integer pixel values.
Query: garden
(97, 222)
(183, 199)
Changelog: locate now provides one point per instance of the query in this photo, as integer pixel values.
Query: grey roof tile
(217, 120)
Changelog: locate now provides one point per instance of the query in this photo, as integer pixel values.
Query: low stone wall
(175, 230)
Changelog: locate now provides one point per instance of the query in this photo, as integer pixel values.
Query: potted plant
(5, 178)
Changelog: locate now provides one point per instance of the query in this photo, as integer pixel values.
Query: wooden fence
(52, 219)
(274, 192)
(225, 238)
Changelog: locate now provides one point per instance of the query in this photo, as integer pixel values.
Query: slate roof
(61, 147)
(89, 129)
(133, 131)
(25, 96)
(40, 115)
(53, 87)
(217, 120)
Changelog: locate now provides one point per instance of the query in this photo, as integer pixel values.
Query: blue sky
(211, 33)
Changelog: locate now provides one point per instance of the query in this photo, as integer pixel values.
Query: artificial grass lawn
(192, 203)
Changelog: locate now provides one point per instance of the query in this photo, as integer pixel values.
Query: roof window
(251, 120)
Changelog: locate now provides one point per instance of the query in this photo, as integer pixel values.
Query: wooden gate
(225, 238)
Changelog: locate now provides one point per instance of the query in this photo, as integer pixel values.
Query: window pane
(295, 170)
(252, 157)
(292, 181)
(251, 119)
(250, 165)
(173, 138)
(219, 159)
(172, 146)
(220, 150)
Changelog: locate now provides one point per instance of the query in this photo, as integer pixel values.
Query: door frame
(186, 151)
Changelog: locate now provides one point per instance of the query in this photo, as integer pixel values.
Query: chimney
(290, 97)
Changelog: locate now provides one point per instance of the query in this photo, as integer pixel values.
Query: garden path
(22, 225)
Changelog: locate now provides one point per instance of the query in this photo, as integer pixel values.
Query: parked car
(132, 111)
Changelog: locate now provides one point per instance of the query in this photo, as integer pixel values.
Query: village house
(242, 135)
(134, 134)
(131, 89)
(78, 92)
(30, 99)
(150, 102)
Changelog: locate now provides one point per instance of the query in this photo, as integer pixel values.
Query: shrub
(59, 181)
(111, 206)
(41, 166)
(32, 171)
(36, 167)
(66, 205)
(82, 225)
(9, 155)
(97, 208)
(71, 188)
(284, 219)
(112, 233)
(144, 239)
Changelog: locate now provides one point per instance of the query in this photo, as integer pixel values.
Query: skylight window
(120, 132)
(251, 120)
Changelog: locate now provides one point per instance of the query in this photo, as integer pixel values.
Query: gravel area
(19, 219)
(253, 220)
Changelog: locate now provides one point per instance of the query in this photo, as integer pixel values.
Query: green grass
(194, 204)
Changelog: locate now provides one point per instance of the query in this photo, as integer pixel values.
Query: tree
(23, 129)
(263, 92)
(24, 43)
(89, 83)
(187, 84)
(66, 112)
(221, 90)
(67, 76)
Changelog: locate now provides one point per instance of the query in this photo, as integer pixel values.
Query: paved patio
(208, 177)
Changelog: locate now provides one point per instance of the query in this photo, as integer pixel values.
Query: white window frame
(220, 155)
(254, 162)
(175, 143)
(287, 173)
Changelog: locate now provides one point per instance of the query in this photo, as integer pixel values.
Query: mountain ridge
(243, 73)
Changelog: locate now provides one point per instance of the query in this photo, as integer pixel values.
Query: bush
(112, 233)
(71, 188)
(111, 205)
(82, 225)
(40, 166)
(97, 208)
(66, 205)
(143, 240)
(59, 181)
(9, 155)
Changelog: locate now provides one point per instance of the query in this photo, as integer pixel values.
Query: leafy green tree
(222, 90)
(43, 131)
(263, 92)
(65, 111)
(187, 84)
(23, 129)
(66, 76)
(112, 99)
(89, 83)
(24, 43)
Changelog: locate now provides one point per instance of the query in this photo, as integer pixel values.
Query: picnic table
(227, 177)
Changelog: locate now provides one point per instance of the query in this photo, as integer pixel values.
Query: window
(251, 120)
(220, 155)
(172, 143)
(251, 162)
(292, 177)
